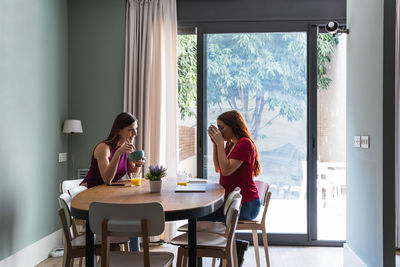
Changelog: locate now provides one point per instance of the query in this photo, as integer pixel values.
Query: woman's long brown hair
(123, 120)
(237, 123)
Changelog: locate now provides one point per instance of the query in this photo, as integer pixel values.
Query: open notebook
(190, 188)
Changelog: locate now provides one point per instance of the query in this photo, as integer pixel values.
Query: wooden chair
(79, 224)
(68, 184)
(74, 245)
(212, 244)
(214, 227)
(131, 220)
(76, 190)
(259, 222)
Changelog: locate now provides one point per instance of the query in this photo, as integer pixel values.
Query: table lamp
(72, 127)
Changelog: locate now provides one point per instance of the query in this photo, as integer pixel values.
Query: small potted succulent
(154, 176)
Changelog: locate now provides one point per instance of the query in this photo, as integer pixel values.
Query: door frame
(312, 29)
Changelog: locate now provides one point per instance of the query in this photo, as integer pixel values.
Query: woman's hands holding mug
(215, 135)
(140, 163)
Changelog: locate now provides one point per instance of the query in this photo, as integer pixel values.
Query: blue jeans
(248, 211)
(134, 244)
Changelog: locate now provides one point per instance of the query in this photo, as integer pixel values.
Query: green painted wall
(370, 187)
(96, 71)
(33, 105)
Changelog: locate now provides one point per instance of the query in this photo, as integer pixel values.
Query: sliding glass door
(285, 84)
(264, 76)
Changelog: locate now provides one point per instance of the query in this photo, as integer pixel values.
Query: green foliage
(326, 46)
(259, 72)
(187, 75)
(156, 173)
(255, 73)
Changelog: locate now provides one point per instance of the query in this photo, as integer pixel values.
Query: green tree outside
(253, 73)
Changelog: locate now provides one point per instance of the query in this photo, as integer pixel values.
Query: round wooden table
(177, 206)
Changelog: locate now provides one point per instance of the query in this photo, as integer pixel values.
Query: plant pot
(155, 186)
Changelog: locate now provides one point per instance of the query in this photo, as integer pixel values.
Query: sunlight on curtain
(150, 90)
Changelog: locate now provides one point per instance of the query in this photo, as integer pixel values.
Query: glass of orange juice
(182, 178)
(135, 178)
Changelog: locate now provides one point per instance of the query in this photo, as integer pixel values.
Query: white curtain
(150, 89)
(397, 150)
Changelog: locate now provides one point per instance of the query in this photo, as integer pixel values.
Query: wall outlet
(62, 157)
(357, 141)
(365, 141)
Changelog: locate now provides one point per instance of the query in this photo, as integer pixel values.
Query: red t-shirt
(243, 176)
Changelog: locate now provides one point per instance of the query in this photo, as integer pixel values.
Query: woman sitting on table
(110, 157)
(236, 162)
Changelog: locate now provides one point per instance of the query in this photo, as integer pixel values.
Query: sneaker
(241, 247)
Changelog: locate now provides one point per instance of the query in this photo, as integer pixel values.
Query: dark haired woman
(237, 163)
(110, 157)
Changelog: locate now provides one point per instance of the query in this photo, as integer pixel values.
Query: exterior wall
(187, 142)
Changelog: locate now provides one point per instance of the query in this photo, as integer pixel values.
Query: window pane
(264, 76)
(331, 164)
(187, 97)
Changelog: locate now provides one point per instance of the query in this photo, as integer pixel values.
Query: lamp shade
(72, 126)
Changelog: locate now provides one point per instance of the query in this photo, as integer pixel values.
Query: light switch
(62, 157)
(365, 141)
(357, 141)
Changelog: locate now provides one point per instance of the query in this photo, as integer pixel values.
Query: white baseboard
(35, 253)
(351, 259)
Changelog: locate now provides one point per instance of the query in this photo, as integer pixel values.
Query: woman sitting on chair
(237, 163)
(110, 157)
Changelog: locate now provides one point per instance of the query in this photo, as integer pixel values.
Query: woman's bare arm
(227, 166)
(109, 168)
(134, 167)
(215, 158)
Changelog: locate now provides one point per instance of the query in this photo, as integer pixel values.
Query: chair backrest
(125, 219)
(68, 184)
(231, 220)
(67, 223)
(230, 198)
(266, 204)
(65, 204)
(132, 220)
(262, 188)
(76, 190)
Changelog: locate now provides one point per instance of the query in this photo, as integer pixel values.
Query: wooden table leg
(192, 236)
(90, 248)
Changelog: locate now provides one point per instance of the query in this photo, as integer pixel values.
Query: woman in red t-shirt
(237, 161)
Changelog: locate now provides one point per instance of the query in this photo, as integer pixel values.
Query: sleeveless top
(93, 177)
